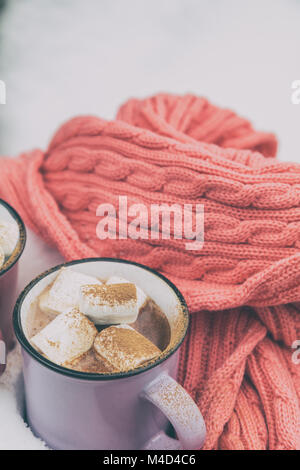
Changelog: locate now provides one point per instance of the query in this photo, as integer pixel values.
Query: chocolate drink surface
(116, 346)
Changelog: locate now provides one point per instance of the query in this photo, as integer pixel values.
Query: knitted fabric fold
(242, 287)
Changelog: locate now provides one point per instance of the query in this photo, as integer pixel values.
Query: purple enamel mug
(132, 410)
(9, 274)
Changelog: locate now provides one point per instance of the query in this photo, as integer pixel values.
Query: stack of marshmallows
(80, 303)
(9, 235)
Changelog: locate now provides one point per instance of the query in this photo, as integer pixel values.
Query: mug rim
(17, 324)
(15, 256)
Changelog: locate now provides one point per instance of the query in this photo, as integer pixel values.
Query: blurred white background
(63, 58)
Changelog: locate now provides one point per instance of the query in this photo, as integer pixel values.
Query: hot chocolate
(96, 325)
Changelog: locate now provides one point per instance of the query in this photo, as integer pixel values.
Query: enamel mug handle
(182, 412)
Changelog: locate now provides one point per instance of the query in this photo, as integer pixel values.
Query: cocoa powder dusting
(91, 362)
(124, 348)
(111, 294)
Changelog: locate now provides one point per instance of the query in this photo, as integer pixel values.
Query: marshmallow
(2, 257)
(64, 292)
(124, 348)
(90, 362)
(9, 236)
(141, 296)
(66, 338)
(109, 304)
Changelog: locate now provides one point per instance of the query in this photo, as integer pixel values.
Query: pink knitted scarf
(242, 288)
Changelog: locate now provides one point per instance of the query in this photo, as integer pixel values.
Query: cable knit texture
(242, 288)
